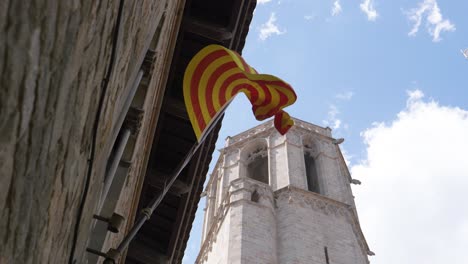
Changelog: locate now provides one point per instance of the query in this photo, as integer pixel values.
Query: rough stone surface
(53, 59)
(281, 222)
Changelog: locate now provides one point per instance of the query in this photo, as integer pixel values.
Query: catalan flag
(215, 75)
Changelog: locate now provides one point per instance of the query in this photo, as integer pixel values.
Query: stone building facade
(282, 199)
(54, 58)
(90, 96)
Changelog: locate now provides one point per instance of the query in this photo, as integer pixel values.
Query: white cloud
(332, 117)
(269, 28)
(333, 111)
(434, 22)
(333, 120)
(346, 96)
(414, 96)
(336, 9)
(367, 6)
(415, 179)
(336, 123)
(263, 1)
(309, 17)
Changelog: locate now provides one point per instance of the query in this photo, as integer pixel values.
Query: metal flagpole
(145, 214)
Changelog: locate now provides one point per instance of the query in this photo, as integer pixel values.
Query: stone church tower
(282, 199)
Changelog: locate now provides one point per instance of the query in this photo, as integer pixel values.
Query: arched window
(311, 173)
(257, 169)
(256, 160)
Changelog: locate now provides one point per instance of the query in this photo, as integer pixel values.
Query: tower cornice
(267, 126)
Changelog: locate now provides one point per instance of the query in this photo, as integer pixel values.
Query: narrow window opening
(327, 260)
(311, 173)
(258, 169)
(255, 196)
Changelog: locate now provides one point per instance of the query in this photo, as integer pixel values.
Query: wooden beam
(207, 30)
(141, 252)
(175, 108)
(179, 239)
(157, 179)
(171, 142)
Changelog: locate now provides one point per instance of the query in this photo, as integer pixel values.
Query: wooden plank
(143, 252)
(178, 241)
(207, 30)
(175, 108)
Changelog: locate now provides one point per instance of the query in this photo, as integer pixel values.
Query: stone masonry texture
(281, 221)
(53, 59)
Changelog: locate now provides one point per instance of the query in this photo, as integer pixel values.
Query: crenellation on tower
(281, 199)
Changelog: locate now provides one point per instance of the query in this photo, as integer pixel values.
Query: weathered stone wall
(307, 223)
(293, 226)
(53, 58)
(217, 252)
(163, 44)
(243, 231)
(258, 224)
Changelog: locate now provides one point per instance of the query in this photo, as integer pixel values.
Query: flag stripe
(205, 76)
(216, 75)
(206, 60)
(212, 106)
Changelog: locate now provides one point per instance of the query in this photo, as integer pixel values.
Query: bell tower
(282, 199)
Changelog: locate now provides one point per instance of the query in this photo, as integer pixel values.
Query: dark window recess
(255, 196)
(327, 260)
(311, 173)
(258, 169)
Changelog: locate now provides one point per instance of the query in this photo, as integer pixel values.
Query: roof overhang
(164, 236)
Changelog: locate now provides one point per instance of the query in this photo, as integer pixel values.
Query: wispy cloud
(270, 28)
(413, 96)
(345, 95)
(367, 6)
(336, 9)
(309, 17)
(333, 111)
(434, 21)
(263, 1)
(332, 117)
(336, 124)
(333, 120)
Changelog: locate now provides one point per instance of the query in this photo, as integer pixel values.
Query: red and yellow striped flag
(216, 75)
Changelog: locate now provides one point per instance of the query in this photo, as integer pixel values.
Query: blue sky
(396, 91)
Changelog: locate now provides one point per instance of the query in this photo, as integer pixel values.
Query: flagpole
(145, 214)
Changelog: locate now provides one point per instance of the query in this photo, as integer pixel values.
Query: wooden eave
(165, 235)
